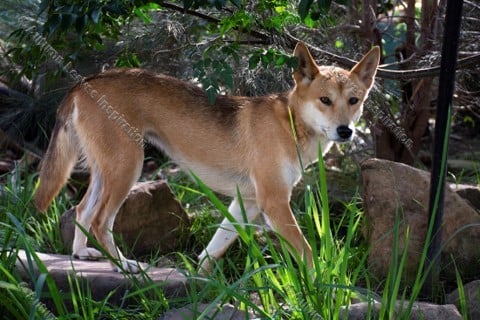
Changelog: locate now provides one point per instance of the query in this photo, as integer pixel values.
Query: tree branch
(194, 13)
(426, 72)
(211, 19)
(383, 71)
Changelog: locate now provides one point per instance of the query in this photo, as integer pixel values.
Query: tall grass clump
(260, 275)
(276, 285)
(273, 284)
(35, 295)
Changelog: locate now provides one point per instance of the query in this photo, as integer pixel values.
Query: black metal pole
(453, 17)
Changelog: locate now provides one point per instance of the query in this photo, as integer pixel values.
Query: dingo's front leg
(274, 200)
(282, 220)
(226, 233)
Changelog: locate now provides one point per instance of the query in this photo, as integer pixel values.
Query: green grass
(257, 275)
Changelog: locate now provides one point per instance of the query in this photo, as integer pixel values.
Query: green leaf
(304, 7)
(187, 4)
(95, 14)
(128, 60)
(212, 93)
(232, 51)
(150, 6)
(339, 43)
(219, 4)
(309, 22)
(142, 14)
(315, 15)
(80, 23)
(227, 75)
(236, 3)
(324, 5)
(292, 62)
(67, 20)
(253, 61)
(53, 23)
(43, 5)
(280, 60)
(114, 7)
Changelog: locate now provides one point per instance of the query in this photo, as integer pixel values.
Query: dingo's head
(330, 99)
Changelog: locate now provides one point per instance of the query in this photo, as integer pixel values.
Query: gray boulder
(394, 191)
(419, 311)
(150, 220)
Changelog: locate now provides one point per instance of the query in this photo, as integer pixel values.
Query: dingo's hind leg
(113, 173)
(85, 213)
(117, 180)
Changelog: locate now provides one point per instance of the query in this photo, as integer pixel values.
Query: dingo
(239, 142)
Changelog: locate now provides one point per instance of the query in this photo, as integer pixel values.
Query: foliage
(225, 44)
(284, 288)
(71, 27)
(214, 39)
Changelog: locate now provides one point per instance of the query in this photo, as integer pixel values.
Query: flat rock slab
(419, 311)
(100, 278)
(471, 299)
(193, 311)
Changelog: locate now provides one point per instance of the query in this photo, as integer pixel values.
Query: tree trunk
(417, 94)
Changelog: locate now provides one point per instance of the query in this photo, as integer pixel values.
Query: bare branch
(174, 7)
(426, 72)
(385, 73)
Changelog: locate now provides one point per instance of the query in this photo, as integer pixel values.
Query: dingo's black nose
(344, 132)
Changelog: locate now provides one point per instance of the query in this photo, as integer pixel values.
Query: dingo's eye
(326, 101)
(352, 100)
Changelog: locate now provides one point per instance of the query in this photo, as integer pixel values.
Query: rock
(341, 188)
(6, 166)
(472, 299)
(420, 311)
(100, 278)
(150, 220)
(390, 189)
(467, 192)
(192, 311)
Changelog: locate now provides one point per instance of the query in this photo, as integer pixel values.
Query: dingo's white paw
(129, 266)
(88, 254)
(206, 266)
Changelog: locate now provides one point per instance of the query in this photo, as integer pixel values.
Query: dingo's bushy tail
(60, 158)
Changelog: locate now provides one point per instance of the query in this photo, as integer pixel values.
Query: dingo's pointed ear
(367, 67)
(307, 68)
